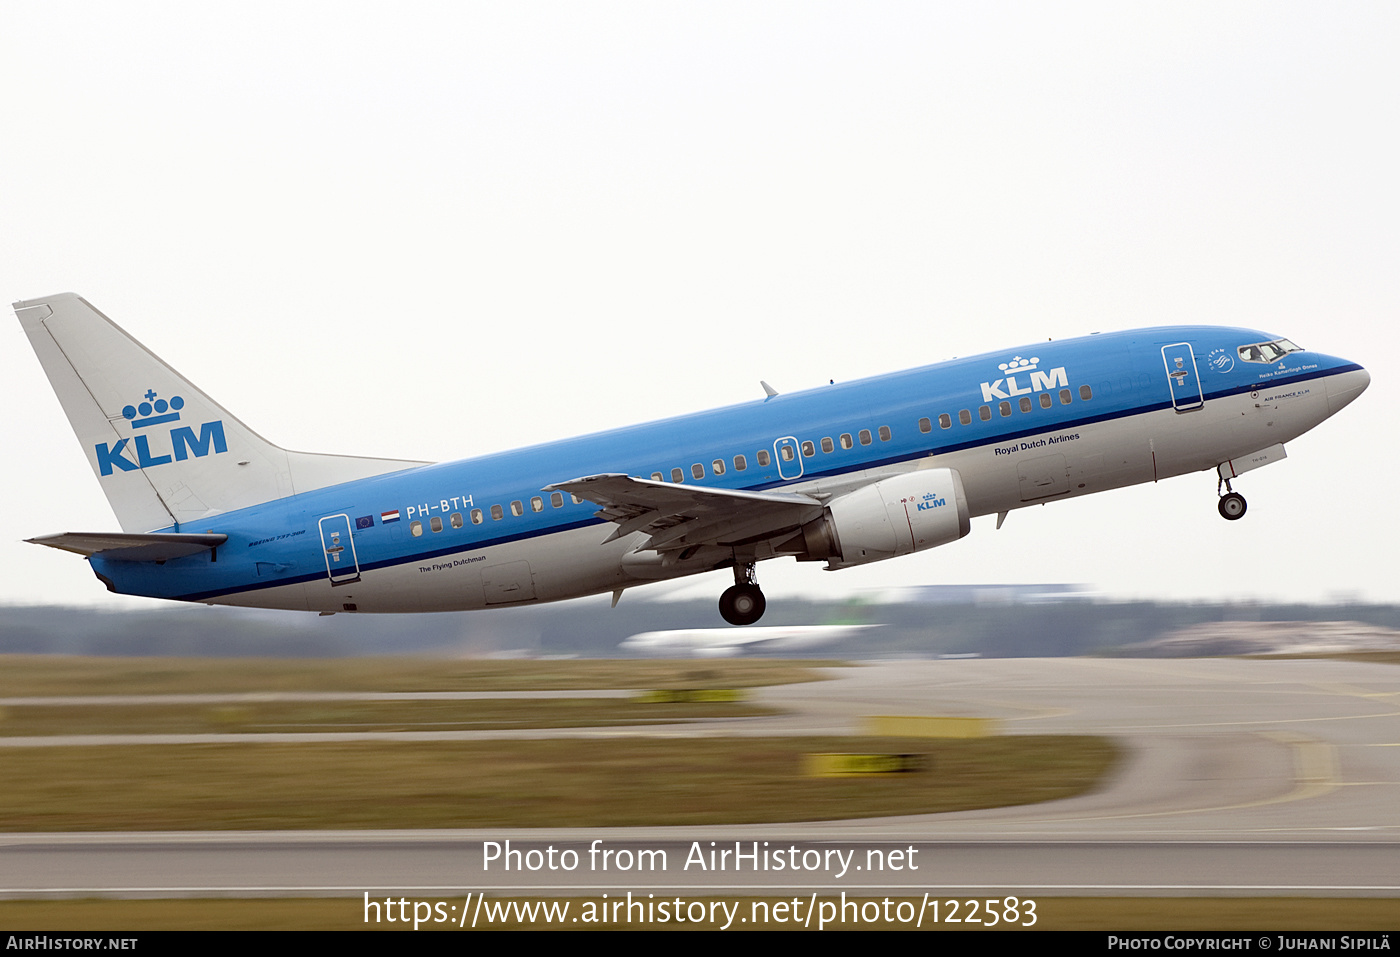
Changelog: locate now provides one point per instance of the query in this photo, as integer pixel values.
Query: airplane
(727, 642)
(844, 474)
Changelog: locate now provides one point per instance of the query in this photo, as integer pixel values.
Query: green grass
(298, 716)
(613, 781)
(48, 675)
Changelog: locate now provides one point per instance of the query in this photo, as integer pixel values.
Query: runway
(1241, 778)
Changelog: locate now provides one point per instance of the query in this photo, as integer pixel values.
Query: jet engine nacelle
(897, 516)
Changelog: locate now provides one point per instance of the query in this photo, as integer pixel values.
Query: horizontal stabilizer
(132, 547)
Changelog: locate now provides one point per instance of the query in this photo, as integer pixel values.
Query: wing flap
(679, 516)
(132, 546)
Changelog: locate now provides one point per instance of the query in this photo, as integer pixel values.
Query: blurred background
(502, 224)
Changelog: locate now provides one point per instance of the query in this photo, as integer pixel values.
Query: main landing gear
(743, 603)
(1232, 504)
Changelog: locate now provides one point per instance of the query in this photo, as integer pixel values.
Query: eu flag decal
(364, 521)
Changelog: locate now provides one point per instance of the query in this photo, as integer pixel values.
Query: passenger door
(1184, 379)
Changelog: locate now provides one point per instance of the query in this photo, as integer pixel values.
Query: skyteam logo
(1007, 386)
(1220, 360)
(182, 441)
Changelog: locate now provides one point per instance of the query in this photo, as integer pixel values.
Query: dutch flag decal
(387, 517)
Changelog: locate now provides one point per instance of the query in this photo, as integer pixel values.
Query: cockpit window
(1268, 351)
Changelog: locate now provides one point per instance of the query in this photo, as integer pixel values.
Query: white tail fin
(164, 452)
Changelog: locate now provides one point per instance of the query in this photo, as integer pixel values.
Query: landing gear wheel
(742, 604)
(1232, 506)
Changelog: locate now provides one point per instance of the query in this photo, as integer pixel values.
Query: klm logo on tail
(151, 412)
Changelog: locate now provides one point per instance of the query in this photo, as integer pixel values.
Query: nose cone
(1344, 387)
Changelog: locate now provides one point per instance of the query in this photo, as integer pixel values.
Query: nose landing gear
(1232, 504)
(743, 603)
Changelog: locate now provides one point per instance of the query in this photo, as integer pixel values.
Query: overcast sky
(500, 224)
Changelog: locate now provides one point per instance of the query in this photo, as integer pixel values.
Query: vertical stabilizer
(164, 452)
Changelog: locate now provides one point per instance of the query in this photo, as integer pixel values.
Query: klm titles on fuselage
(1056, 378)
(183, 440)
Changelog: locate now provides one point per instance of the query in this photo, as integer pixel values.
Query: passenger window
(718, 466)
(1004, 408)
(557, 499)
(1086, 393)
(865, 437)
(808, 450)
(476, 516)
(497, 513)
(884, 433)
(965, 417)
(537, 504)
(656, 477)
(517, 508)
(985, 413)
(697, 470)
(577, 500)
(677, 476)
(436, 523)
(740, 463)
(416, 528)
(456, 519)
(944, 422)
(925, 425)
(1064, 397)
(786, 453)
(846, 441)
(827, 444)
(1025, 404)
(1045, 400)
(763, 458)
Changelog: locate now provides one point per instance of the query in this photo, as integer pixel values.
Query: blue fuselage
(1120, 408)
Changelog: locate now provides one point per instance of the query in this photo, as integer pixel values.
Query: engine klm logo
(154, 411)
(930, 500)
(1039, 381)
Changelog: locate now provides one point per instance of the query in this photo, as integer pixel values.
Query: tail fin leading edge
(164, 453)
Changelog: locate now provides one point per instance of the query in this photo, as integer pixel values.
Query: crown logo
(1017, 364)
(154, 411)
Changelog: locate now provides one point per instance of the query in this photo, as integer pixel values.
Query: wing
(680, 516)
